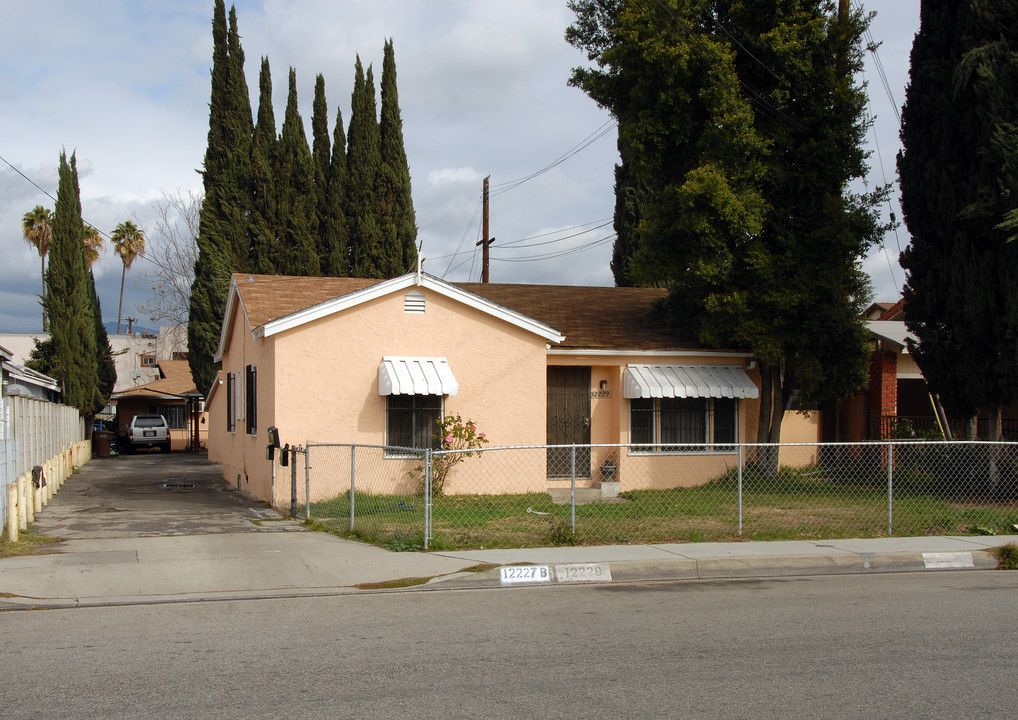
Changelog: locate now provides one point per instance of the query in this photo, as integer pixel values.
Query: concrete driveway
(153, 494)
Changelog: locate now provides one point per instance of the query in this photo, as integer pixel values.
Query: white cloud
(453, 175)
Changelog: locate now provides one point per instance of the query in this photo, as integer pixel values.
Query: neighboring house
(172, 395)
(897, 402)
(33, 425)
(20, 380)
(377, 362)
(135, 355)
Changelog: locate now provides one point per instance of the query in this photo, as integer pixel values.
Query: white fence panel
(32, 431)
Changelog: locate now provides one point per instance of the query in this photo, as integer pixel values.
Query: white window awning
(688, 381)
(416, 376)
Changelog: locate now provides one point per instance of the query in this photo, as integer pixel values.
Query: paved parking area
(151, 494)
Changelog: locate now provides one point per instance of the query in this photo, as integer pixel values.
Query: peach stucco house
(375, 362)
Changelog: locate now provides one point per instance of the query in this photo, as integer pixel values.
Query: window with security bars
(176, 415)
(411, 421)
(231, 402)
(251, 398)
(683, 424)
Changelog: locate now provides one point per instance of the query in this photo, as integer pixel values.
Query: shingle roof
(270, 297)
(594, 318)
(176, 380)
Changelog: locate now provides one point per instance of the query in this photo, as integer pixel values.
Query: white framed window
(683, 424)
(411, 421)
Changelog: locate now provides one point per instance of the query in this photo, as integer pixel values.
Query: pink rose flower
(448, 438)
(481, 435)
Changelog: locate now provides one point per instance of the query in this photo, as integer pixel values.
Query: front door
(568, 420)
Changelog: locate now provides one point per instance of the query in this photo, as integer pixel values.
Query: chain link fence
(408, 499)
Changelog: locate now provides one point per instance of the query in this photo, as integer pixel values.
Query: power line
(86, 222)
(505, 187)
(516, 243)
(560, 254)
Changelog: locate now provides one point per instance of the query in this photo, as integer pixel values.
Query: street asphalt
(154, 528)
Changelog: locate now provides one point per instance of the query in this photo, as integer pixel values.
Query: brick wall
(883, 386)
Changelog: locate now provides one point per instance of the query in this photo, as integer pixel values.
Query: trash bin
(102, 440)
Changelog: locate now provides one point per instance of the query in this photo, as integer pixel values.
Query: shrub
(1007, 556)
(455, 434)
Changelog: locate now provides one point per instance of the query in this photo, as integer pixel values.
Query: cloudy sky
(482, 88)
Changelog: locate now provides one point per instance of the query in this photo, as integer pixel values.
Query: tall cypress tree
(320, 151)
(296, 202)
(363, 160)
(69, 300)
(337, 238)
(395, 199)
(263, 206)
(239, 132)
(959, 188)
(105, 367)
(223, 232)
(630, 195)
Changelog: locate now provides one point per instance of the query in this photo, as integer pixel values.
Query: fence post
(740, 488)
(427, 497)
(353, 474)
(293, 483)
(890, 488)
(307, 483)
(572, 491)
(12, 512)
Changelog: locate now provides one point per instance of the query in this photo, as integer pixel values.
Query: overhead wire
(501, 188)
(561, 253)
(106, 235)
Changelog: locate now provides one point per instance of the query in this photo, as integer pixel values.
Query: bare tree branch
(172, 254)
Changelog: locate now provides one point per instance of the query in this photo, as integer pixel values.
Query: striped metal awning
(416, 376)
(688, 381)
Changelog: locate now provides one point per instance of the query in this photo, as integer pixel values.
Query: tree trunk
(120, 307)
(45, 324)
(970, 428)
(772, 409)
(994, 429)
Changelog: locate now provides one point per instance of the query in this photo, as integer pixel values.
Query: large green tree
(743, 119)
(296, 199)
(263, 225)
(631, 194)
(321, 152)
(363, 161)
(959, 190)
(68, 301)
(334, 231)
(223, 233)
(395, 202)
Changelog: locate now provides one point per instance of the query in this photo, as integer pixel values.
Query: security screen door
(568, 420)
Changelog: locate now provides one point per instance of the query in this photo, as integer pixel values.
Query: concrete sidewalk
(184, 568)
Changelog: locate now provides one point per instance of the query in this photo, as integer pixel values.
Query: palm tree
(37, 226)
(129, 243)
(93, 244)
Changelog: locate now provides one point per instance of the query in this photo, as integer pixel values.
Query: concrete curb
(755, 567)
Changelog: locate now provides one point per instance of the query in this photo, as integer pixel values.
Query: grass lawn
(795, 505)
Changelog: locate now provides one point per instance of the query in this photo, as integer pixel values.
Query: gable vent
(413, 302)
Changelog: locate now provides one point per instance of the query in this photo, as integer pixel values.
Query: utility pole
(485, 241)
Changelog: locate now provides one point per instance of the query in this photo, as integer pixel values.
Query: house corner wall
(883, 387)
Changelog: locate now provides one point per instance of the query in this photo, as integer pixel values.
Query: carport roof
(176, 382)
